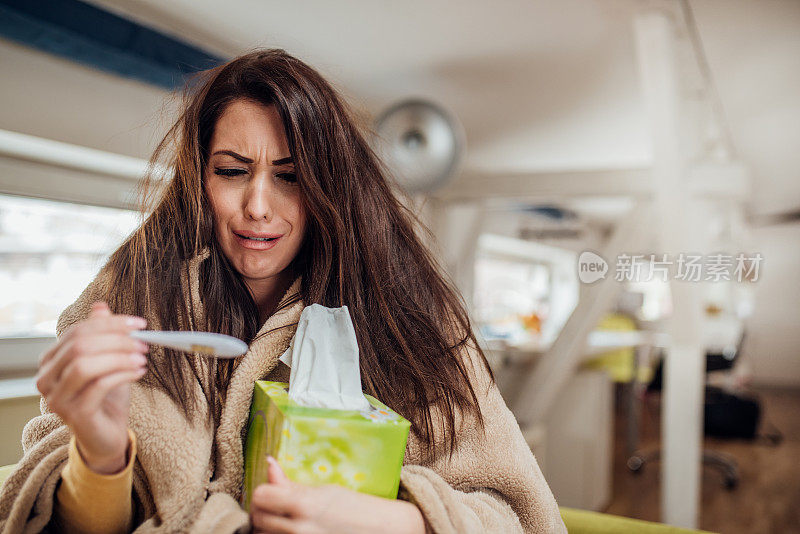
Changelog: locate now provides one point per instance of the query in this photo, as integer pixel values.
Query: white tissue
(323, 356)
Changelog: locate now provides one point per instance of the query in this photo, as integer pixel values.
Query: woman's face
(251, 183)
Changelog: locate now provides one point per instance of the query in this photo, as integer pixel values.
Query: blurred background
(612, 184)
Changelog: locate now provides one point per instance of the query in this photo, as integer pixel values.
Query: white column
(679, 226)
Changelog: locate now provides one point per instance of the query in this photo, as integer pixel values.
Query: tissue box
(362, 451)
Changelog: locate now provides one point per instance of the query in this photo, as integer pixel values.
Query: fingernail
(138, 358)
(136, 322)
(141, 346)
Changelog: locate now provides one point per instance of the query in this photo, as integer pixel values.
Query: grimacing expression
(250, 181)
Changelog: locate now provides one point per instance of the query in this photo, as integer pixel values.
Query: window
(511, 297)
(524, 291)
(49, 252)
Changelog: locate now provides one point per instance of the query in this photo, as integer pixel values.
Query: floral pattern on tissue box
(361, 450)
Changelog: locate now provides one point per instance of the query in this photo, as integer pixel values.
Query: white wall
(51, 97)
(772, 349)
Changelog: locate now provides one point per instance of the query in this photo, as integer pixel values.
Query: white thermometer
(208, 343)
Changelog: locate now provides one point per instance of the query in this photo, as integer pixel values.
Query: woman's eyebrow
(233, 154)
(244, 159)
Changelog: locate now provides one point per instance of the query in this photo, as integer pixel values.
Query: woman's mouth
(256, 243)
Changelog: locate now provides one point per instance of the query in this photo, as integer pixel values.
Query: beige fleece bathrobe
(181, 483)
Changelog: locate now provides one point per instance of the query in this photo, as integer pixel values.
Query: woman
(276, 202)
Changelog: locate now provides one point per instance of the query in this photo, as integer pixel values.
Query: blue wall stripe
(94, 37)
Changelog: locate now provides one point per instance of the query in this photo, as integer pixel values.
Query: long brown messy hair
(362, 249)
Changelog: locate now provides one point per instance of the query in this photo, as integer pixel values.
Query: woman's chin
(257, 270)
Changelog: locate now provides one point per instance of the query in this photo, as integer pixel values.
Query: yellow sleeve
(89, 502)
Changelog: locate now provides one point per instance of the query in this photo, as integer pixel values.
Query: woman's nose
(258, 201)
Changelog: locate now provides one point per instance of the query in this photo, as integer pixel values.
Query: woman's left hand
(283, 506)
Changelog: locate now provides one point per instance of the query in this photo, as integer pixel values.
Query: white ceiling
(538, 84)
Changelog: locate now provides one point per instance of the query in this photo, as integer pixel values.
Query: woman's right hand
(86, 379)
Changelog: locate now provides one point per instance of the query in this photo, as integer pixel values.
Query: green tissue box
(362, 451)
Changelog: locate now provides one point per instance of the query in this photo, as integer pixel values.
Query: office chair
(725, 463)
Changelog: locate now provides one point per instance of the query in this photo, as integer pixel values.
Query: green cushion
(584, 522)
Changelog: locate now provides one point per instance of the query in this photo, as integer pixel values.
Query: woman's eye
(228, 172)
(287, 176)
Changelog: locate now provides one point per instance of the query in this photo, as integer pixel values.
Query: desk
(575, 445)
(599, 341)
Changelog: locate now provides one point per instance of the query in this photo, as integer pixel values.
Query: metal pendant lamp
(421, 143)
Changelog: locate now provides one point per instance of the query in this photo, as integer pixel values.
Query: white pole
(39, 150)
(679, 229)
